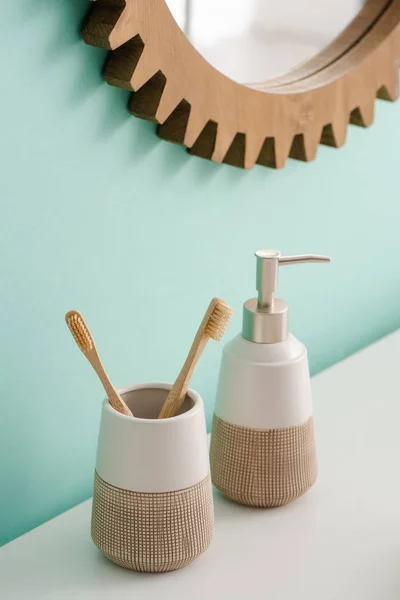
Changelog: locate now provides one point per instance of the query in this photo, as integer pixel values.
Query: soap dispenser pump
(262, 443)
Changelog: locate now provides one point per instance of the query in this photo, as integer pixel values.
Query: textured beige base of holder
(152, 532)
(265, 468)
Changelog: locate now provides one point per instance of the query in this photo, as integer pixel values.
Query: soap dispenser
(262, 443)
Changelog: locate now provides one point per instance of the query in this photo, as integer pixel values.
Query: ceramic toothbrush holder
(152, 503)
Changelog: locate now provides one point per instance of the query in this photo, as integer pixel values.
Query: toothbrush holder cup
(152, 503)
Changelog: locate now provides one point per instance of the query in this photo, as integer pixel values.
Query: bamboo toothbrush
(85, 342)
(213, 326)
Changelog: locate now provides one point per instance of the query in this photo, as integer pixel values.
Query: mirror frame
(221, 120)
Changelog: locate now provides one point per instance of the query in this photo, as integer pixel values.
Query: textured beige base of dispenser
(152, 532)
(264, 468)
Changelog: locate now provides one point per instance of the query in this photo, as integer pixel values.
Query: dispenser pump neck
(265, 318)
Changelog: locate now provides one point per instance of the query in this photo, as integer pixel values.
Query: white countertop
(340, 541)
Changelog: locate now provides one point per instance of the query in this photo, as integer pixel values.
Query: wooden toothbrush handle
(179, 390)
(114, 398)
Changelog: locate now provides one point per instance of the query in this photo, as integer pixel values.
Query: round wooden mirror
(240, 81)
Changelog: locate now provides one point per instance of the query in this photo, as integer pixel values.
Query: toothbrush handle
(179, 390)
(114, 398)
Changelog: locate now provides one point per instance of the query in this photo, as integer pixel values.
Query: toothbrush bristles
(79, 330)
(219, 321)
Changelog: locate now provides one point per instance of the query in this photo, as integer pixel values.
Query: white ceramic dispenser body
(264, 386)
(262, 446)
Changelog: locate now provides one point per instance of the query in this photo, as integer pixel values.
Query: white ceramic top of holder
(146, 454)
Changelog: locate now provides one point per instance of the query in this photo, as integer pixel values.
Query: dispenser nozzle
(268, 262)
(302, 258)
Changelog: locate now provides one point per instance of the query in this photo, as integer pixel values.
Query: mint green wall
(100, 215)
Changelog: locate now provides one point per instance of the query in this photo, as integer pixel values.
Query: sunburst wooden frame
(216, 118)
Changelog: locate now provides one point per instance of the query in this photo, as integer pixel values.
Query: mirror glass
(253, 40)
